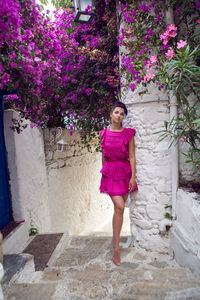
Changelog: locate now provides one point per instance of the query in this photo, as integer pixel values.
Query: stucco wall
(28, 181)
(56, 191)
(73, 180)
(153, 168)
(185, 237)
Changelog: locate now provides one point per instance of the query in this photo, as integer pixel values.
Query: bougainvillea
(62, 72)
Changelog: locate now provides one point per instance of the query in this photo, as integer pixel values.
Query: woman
(118, 169)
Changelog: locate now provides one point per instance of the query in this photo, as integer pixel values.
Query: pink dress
(116, 170)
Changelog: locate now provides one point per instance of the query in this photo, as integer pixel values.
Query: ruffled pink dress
(116, 170)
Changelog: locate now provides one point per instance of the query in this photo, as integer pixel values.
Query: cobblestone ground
(81, 268)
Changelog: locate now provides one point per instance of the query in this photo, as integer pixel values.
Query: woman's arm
(103, 157)
(131, 151)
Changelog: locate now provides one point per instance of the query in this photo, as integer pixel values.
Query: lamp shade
(82, 16)
(61, 145)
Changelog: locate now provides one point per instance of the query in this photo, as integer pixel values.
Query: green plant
(33, 231)
(168, 215)
(185, 129)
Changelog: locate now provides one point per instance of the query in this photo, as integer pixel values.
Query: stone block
(150, 97)
(61, 163)
(155, 211)
(163, 198)
(49, 155)
(141, 210)
(58, 155)
(163, 188)
(143, 224)
(53, 165)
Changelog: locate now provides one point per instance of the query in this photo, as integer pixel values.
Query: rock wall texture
(153, 166)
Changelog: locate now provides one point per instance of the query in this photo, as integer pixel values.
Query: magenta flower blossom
(88, 91)
(181, 44)
(132, 87)
(170, 53)
(181, 140)
(198, 5)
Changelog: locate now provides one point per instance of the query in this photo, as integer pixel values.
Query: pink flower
(149, 75)
(181, 44)
(171, 27)
(181, 140)
(198, 21)
(169, 54)
(153, 59)
(170, 32)
(164, 38)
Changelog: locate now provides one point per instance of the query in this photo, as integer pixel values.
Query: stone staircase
(81, 268)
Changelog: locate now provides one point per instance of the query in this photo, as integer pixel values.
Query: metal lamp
(81, 16)
(61, 146)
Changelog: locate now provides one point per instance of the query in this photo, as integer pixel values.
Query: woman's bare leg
(125, 197)
(118, 202)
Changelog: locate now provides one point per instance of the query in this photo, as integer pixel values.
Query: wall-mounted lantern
(81, 16)
(61, 146)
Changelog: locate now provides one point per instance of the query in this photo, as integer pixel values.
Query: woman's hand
(131, 184)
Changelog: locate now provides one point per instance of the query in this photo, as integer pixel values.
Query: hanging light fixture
(82, 16)
(61, 146)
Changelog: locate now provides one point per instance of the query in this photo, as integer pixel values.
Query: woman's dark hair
(120, 104)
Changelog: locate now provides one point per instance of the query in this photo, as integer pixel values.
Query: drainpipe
(174, 149)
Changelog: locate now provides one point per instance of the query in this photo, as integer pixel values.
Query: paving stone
(93, 272)
(82, 242)
(90, 289)
(84, 270)
(52, 275)
(76, 257)
(29, 291)
(12, 264)
(139, 256)
(159, 264)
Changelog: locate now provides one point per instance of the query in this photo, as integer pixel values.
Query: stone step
(82, 269)
(16, 267)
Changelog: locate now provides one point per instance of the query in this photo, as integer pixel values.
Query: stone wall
(153, 166)
(73, 185)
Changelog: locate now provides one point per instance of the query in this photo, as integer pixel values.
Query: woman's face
(117, 115)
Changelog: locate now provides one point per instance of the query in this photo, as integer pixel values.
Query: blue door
(5, 206)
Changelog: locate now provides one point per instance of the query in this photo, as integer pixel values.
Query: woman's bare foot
(116, 257)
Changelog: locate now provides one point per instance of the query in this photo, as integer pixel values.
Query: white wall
(76, 204)
(27, 170)
(185, 237)
(58, 191)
